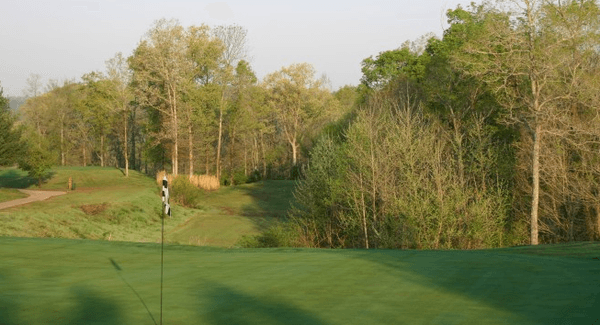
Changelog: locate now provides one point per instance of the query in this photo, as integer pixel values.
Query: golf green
(62, 281)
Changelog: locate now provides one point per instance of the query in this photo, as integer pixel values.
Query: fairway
(61, 281)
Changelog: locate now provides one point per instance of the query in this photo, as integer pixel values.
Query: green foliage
(10, 144)
(398, 180)
(185, 193)
(37, 160)
(389, 65)
(319, 195)
(238, 177)
(277, 235)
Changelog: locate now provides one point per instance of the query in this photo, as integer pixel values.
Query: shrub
(255, 176)
(279, 235)
(184, 192)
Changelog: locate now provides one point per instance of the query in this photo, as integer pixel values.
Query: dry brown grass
(94, 209)
(207, 182)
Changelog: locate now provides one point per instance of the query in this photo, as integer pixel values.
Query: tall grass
(206, 182)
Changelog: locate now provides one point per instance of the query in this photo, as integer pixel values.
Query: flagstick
(166, 212)
(162, 245)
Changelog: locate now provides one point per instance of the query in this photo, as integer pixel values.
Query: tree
(161, 70)
(36, 160)
(120, 96)
(298, 99)
(388, 65)
(205, 51)
(10, 146)
(529, 58)
(34, 85)
(234, 49)
(98, 107)
(240, 121)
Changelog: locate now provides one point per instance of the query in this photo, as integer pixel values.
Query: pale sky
(64, 39)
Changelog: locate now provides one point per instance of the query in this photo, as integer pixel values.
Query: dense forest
(488, 136)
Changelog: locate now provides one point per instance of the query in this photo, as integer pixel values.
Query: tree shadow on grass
(8, 301)
(14, 178)
(220, 304)
(542, 290)
(89, 307)
(270, 199)
(119, 269)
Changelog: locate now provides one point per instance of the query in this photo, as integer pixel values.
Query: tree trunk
(219, 142)
(136, 165)
(176, 150)
(206, 164)
(175, 125)
(126, 152)
(535, 200)
(102, 150)
(231, 151)
(264, 159)
(364, 213)
(294, 157)
(245, 158)
(191, 149)
(84, 155)
(373, 183)
(62, 145)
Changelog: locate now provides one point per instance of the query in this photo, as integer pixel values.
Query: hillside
(106, 205)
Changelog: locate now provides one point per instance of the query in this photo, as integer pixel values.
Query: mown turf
(56, 281)
(232, 212)
(106, 205)
(9, 194)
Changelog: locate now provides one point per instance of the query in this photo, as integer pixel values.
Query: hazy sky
(63, 39)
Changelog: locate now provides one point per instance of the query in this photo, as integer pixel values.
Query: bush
(185, 193)
(255, 176)
(279, 235)
(238, 178)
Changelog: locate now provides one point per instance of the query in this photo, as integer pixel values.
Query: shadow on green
(269, 199)
(15, 178)
(88, 307)
(91, 308)
(224, 305)
(542, 289)
(118, 269)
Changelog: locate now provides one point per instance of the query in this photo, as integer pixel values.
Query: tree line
(187, 101)
(486, 137)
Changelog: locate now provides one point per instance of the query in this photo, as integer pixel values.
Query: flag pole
(162, 245)
(166, 211)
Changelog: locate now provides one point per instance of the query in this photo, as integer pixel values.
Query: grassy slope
(58, 281)
(9, 194)
(235, 211)
(129, 209)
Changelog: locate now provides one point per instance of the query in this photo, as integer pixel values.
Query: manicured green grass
(232, 212)
(58, 281)
(8, 194)
(106, 205)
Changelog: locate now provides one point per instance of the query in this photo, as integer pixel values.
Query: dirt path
(34, 196)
